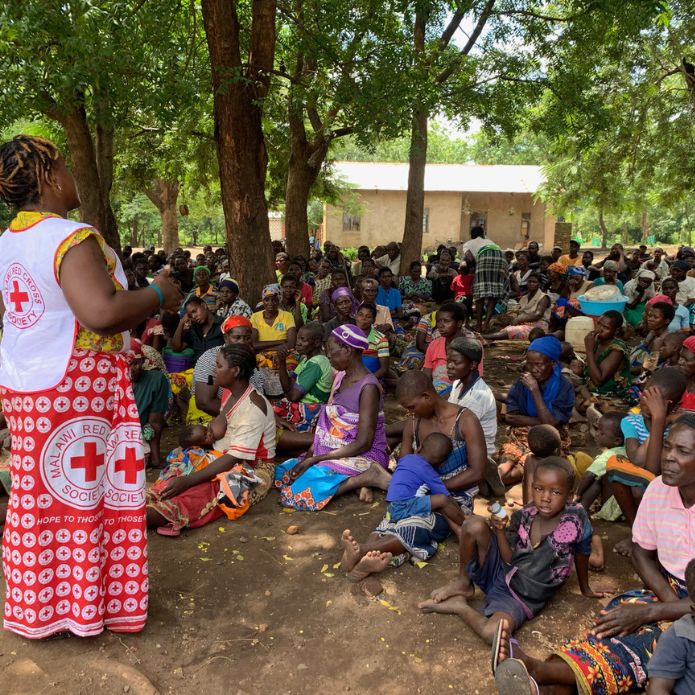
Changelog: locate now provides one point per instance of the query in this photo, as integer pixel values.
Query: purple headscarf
(351, 336)
(345, 292)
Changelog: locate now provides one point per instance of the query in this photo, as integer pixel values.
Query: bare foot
(453, 605)
(456, 587)
(624, 547)
(371, 563)
(596, 562)
(375, 476)
(351, 552)
(366, 495)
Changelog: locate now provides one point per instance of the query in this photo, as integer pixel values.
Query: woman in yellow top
(272, 328)
(74, 544)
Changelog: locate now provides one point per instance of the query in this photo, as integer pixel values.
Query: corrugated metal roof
(471, 178)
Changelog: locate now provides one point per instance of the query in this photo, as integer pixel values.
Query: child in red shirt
(462, 287)
(462, 284)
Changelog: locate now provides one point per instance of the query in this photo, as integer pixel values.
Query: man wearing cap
(686, 284)
(573, 257)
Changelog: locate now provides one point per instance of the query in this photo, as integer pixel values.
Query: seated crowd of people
(286, 391)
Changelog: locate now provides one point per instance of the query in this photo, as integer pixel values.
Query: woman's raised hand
(171, 290)
(529, 381)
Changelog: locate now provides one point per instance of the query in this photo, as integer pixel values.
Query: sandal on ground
(169, 530)
(492, 478)
(512, 678)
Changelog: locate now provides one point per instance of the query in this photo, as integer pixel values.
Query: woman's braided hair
(26, 162)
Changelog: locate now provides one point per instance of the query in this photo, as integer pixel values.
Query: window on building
(425, 220)
(479, 219)
(351, 223)
(525, 225)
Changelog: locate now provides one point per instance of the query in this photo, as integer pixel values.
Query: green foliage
(621, 143)
(601, 93)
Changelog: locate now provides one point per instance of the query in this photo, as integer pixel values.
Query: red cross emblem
(17, 297)
(22, 297)
(130, 465)
(88, 462)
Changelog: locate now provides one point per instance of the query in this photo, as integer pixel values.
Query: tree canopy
(601, 94)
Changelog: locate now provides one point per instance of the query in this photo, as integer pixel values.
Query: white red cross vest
(39, 328)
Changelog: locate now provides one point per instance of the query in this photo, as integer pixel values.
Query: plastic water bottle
(498, 510)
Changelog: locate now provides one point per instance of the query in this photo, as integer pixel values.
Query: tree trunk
(604, 229)
(303, 169)
(104, 156)
(238, 96)
(164, 195)
(411, 249)
(95, 208)
(644, 224)
(134, 231)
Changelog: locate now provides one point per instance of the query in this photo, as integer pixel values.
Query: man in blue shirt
(387, 294)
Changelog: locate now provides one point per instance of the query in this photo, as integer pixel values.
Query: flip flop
(169, 530)
(512, 678)
(492, 477)
(495, 653)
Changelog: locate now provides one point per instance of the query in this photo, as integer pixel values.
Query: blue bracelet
(159, 292)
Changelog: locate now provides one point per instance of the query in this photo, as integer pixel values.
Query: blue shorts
(415, 506)
(491, 578)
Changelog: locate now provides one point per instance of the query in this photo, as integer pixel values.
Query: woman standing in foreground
(74, 548)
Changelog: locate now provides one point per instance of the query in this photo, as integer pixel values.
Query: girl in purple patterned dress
(522, 561)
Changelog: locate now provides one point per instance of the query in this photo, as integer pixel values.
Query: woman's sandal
(169, 530)
(512, 678)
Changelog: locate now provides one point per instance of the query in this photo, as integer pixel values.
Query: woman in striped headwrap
(349, 448)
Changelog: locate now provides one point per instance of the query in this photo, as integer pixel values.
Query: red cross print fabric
(26, 304)
(75, 541)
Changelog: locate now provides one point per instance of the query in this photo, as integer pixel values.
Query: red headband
(235, 322)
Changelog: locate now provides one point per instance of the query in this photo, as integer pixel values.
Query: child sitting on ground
(672, 666)
(521, 561)
(670, 348)
(665, 356)
(411, 526)
(610, 437)
(543, 441)
(644, 434)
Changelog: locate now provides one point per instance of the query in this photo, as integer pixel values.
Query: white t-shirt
(474, 246)
(393, 265)
(480, 400)
(686, 290)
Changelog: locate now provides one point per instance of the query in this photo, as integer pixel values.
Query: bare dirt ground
(242, 607)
